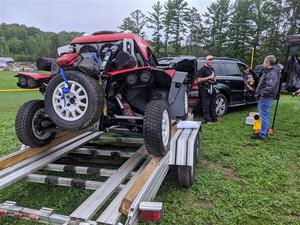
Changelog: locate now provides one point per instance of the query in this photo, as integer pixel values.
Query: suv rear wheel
(221, 104)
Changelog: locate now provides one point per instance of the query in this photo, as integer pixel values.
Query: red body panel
(67, 59)
(116, 72)
(141, 43)
(171, 72)
(36, 76)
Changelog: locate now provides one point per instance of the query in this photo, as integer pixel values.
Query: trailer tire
(79, 108)
(185, 175)
(27, 125)
(197, 150)
(157, 128)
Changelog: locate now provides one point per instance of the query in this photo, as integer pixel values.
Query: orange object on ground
(270, 132)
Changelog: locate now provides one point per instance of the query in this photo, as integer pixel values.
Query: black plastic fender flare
(176, 97)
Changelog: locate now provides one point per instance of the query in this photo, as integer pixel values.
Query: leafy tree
(293, 15)
(4, 51)
(275, 38)
(127, 25)
(217, 21)
(168, 15)
(240, 30)
(15, 45)
(196, 32)
(178, 23)
(225, 29)
(27, 43)
(259, 20)
(155, 24)
(135, 23)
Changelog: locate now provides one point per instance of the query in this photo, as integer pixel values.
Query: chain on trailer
(133, 177)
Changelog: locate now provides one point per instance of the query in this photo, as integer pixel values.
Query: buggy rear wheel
(31, 123)
(157, 128)
(77, 106)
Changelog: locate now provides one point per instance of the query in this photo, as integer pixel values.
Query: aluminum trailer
(134, 183)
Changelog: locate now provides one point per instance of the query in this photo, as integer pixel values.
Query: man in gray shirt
(266, 92)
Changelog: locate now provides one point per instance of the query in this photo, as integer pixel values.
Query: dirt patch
(231, 174)
(227, 171)
(204, 203)
(294, 216)
(223, 153)
(213, 165)
(249, 145)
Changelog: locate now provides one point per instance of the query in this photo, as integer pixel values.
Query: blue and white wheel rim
(70, 106)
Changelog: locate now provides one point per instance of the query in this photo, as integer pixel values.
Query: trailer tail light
(34, 217)
(151, 210)
(3, 212)
(18, 215)
(148, 215)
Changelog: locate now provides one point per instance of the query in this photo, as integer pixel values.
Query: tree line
(26, 44)
(225, 29)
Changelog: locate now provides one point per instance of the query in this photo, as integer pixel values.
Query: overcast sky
(76, 15)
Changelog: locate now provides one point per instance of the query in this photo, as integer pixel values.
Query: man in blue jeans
(266, 92)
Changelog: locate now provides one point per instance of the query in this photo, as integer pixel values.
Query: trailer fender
(177, 95)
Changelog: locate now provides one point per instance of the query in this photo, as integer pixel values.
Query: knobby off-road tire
(27, 119)
(157, 128)
(78, 109)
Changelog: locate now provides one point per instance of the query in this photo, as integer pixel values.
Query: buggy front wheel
(157, 127)
(33, 123)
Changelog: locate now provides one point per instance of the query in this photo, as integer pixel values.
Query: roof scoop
(103, 32)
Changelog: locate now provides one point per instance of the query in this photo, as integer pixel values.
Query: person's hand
(211, 77)
(250, 88)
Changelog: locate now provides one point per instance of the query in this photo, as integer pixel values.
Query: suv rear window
(231, 68)
(217, 68)
(215, 65)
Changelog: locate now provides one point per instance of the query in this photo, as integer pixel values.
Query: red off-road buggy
(110, 78)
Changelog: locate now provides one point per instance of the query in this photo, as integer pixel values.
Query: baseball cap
(209, 57)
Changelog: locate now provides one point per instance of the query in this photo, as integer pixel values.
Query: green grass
(9, 104)
(7, 80)
(238, 180)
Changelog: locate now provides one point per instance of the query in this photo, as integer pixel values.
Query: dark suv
(230, 81)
